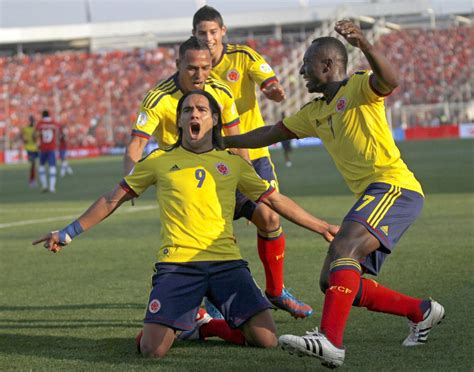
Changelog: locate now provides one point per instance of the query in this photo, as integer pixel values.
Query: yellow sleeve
(259, 70)
(250, 183)
(230, 116)
(141, 177)
(300, 123)
(147, 121)
(364, 85)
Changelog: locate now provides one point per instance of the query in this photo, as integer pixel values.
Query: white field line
(60, 218)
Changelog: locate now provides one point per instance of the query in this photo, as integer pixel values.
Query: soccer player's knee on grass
(266, 219)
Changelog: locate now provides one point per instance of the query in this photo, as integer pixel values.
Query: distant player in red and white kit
(48, 134)
(65, 167)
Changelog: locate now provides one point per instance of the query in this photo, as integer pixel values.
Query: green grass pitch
(81, 309)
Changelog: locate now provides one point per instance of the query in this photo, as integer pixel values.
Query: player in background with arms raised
(63, 138)
(242, 68)
(48, 135)
(157, 116)
(195, 188)
(28, 135)
(350, 120)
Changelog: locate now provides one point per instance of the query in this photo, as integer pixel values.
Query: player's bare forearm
(260, 137)
(133, 153)
(242, 152)
(385, 75)
(290, 210)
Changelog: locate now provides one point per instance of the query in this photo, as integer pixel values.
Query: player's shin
(271, 250)
(344, 281)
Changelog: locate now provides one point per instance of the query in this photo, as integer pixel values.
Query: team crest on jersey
(154, 306)
(222, 169)
(341, 104)
(142, 119)
(233, 75)
(265, 67)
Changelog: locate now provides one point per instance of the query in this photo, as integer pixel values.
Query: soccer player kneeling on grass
(195, 187)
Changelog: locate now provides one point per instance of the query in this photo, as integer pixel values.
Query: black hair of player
(328, 43)
(207, 13)
(217, 141)
(193, 43)
(45, 114)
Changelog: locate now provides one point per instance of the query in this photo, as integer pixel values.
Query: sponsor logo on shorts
(233, 75)
(341, 104)
(265, 67)
(142, 119)
(384, 229)
(154, 306)
(222, 169)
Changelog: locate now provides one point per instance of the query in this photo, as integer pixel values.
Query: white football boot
(419, 331)
(314, 344)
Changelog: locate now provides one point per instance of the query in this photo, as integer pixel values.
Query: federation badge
(222, 169)
(341, 104)
(154, 306)
(233, 75)
(265, 67)
(142, 119)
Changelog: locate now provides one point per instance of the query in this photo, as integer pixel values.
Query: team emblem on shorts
(222, 169)
(142, 119)
(154, 306)
(265, 67)
(341, 104)
(233, 75)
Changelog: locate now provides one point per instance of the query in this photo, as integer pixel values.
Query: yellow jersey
(196, 195)
(29, 139)
(241, 68)
(354, 129)
(157, 114)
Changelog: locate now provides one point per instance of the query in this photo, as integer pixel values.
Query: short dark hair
(193, 43)
(45, 114)
(215, 109)
(207, 13)
(328, 43)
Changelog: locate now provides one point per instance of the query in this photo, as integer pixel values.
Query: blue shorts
(32, 155)
(244, 207)
(62, 154)
(179, 288)
(387, 211)
(49, 157)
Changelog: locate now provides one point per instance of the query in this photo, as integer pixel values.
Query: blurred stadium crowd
(97, 94)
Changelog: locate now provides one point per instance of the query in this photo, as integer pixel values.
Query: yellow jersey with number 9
(196, 195)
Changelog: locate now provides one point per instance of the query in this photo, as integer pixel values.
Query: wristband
(69, 232)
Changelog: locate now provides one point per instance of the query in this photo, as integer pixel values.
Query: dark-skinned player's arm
(98, 211)
(260, 137)
(384, 78)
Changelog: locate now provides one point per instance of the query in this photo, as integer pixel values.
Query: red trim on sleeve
(282, 125)
(371, 84)
(232, 123)
(139, 133)
(266, 194)
(269, 81)
(124, 185)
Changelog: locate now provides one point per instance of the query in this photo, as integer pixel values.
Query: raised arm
(235, 131)
(98, 211)
(260, 137)
(384, 79)
(287, 208)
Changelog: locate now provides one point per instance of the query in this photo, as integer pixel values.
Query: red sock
(220, 328)
(344, 282)
(376, 297)
(271, 250)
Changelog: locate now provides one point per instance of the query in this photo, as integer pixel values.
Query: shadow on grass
(111, 350)
(105, 306)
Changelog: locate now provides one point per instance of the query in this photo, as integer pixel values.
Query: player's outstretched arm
(385, 75)
(287, 208)
(243, 152)
(260, 137)
(133, 153)
(98, 211)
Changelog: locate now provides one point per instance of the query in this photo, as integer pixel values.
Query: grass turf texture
(81, 309)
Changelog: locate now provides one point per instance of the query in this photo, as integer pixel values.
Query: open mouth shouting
(194, 129)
